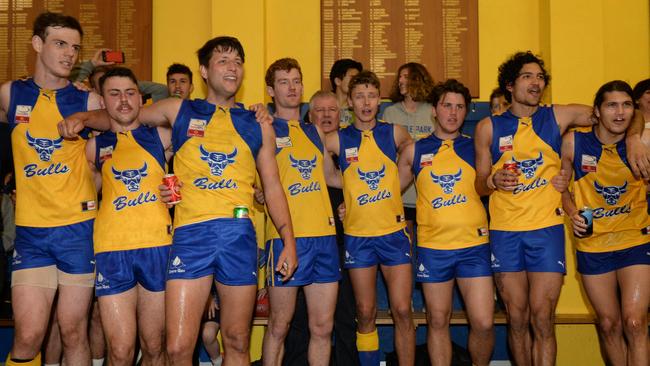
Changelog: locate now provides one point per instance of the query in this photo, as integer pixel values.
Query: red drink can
(171, 182)
(511, 166)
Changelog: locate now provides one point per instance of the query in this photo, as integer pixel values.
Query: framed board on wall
(123, 25)
(384, 34)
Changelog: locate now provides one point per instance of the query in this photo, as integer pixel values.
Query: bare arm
(482, 141)
(568, 200)
(90, 158)
(402, 138)
(5, 96)
(573, 115)
(638, 155)
(404, 164)
(276, 201)
(332, 175)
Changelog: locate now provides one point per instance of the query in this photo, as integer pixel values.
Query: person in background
(498, 102)
(340, 74)
(179, 81)
(410, 109)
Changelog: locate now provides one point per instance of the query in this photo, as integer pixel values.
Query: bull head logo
(529, 166)
(131, 178)
(217, 161)
(447, 181)
(611, 194)
(44, 147)
(304, 166)
(372, 177)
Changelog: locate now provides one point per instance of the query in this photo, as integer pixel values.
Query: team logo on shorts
(304, 166)
(177, 266)
(17, 258)
(495, 262)
(101, 282)
(44, 147)
(611, 194)
(348, 258)
(217, 161)
(529, 166)
(372, 177)
(447, 181)
(422, 271)
(131, 177)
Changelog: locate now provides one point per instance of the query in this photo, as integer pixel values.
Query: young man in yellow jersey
(305, 171)
(374, 223)
(132, 233)
(56, 199)
(218, 148)
(615, 257)
(453, 243)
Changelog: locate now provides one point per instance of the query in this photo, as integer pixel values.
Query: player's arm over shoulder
(573, 115)
(5, 98)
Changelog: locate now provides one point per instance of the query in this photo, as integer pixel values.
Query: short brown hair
(283, 64)
(365, 77)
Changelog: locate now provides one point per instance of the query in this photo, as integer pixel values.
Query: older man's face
(325, 113)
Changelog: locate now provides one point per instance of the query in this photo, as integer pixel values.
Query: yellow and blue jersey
(215, 151)
(604, 182)
(299, 154)
(54, 185)
(371, 187)
(131, 215)
(534, 144)
(450, 214)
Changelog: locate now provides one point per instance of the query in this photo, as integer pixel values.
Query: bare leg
(513, 287)
(151, 326)
(321, 302)
(478, 295)
(635, 297)
(282, 303)
(118, 313)
(188, 298)
(438, 296)
(96, 334)
(237, 303)
(544, 292)
(53, 348)
(72, 312)
(399, 280)
(31, 307)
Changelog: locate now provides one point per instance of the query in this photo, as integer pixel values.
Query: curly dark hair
(509, 71)
(420, 83)
(341, 67)
(640, 88)
(449, 86)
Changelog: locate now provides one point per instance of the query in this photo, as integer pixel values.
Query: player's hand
(81, 86)
(341, 211)
(212, 309)
(98, 60)
(287, 261)
(70, 127)
(506, 180)
(261, 113)
(166, 193)
(259, 195)
(579, 224)
(561, 181)
(638, 155)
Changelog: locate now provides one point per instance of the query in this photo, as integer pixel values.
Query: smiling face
(58, 53)
(224, 73)
(529, 86)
